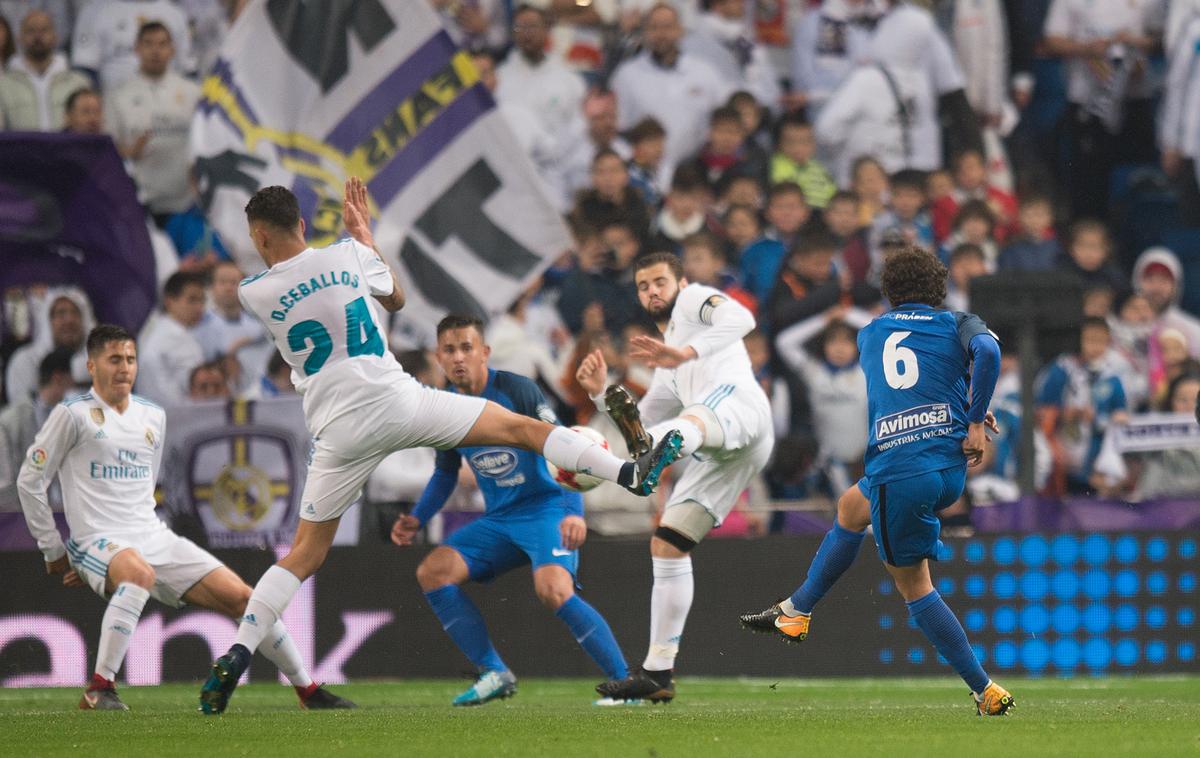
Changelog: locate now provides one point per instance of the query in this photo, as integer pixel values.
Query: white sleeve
(728, 322)
(378, 273)
(804, 50)
(842, 109)
(42, 461)
(1175, 94)
(156, 460)
(945, 74)
(86, 45)
(1058, 20)
(790, 342)
(997, 59)
(623, 85)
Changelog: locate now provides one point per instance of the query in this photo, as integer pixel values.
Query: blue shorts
(494, 544)
(903, 513)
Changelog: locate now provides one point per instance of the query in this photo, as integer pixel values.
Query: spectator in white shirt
(150, 116)
(228, 333)
(722, 37)
(575, 168)
(1179, 121)
(540, 81)
(170, 350)
(677, 88)
(827, 45)
(1110, 88)
(62, 320)
(35, 87)
(106, 33)
(476, 24)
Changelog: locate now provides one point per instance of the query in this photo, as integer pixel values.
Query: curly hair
(912, 274)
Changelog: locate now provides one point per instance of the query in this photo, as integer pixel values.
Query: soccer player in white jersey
(703, 389)
(105, 447)
(359, 404)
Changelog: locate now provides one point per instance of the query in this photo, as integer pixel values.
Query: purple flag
(69, 214)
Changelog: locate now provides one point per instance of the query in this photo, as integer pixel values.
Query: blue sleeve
(1053, 384)
(441, 485)
(985, 356)
(573, 502)
(1118, 401)
(969, 325)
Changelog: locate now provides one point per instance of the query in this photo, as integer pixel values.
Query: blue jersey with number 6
(917, 363)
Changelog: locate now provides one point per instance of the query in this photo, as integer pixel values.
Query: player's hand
(60, 566)
(658, 354)
(356, 211)
(574, 532)
(592, 373)
(405, 529)
(974, 444)
(989, 421)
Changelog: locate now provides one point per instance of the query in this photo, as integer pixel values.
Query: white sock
(267, 603)
(571, 451)
(278, 648)
(789, 609)
(120, 619)
(693, 438)
(669, 605)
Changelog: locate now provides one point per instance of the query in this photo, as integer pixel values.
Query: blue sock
(837, 552)
(463, 622)
(941, 626)
(593, 634)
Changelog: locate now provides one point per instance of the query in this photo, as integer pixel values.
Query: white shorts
(350, 448)
(716, 479)
(179, 564)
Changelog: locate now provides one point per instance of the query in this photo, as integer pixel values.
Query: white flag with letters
(306, 94)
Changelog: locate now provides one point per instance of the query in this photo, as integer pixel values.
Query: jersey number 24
(899, 363)
(362, 337)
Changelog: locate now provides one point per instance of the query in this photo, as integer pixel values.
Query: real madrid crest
(149, 437)
(98, 416)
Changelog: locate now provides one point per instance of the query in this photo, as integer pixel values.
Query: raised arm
(356, 215)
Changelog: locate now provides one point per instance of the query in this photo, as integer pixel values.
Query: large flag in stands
(69, 214)
(307, 94)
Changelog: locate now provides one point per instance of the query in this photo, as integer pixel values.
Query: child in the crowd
(1098, 302)
(1089, 257)
(725, 153)
(647, 140)
(966, 262)
(841, 218)
(1035, 246)
(1172, 349)
(869, 182)
(794, 161)
(760, 263)
(809, 283)
(905, 213)
(704, 263)
(610, 198)
(975, 225)
(758, 348)
(754, 119)
(739, 189)
(742, 227)
(970, 180)
(1078, 398)
(837, 388)
(683, 213)
(938, 184)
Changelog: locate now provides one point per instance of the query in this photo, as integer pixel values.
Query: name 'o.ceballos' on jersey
(917, 363)
(318, 307)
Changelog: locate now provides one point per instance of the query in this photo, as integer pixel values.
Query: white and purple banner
(308, 94)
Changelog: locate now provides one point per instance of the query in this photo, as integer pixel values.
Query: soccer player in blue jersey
(529, 519)
(930, 378)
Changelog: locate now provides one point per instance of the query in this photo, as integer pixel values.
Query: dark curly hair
(912, 274)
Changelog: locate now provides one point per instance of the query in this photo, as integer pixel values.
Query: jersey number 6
(362, 337)
(899, 363)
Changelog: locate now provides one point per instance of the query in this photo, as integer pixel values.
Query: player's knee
(236, 602)
(432, 574)
(140, 574)
(853, 511)
(553, 594)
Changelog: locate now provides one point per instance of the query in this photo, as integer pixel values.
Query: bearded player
(359, 404)
(703, 390)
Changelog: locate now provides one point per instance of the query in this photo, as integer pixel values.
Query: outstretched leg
(128, 582)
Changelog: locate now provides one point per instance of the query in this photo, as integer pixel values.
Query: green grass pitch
(1115, 716)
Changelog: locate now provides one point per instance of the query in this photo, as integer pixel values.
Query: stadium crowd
(779, 148)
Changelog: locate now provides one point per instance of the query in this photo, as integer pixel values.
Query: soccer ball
(575, 481)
